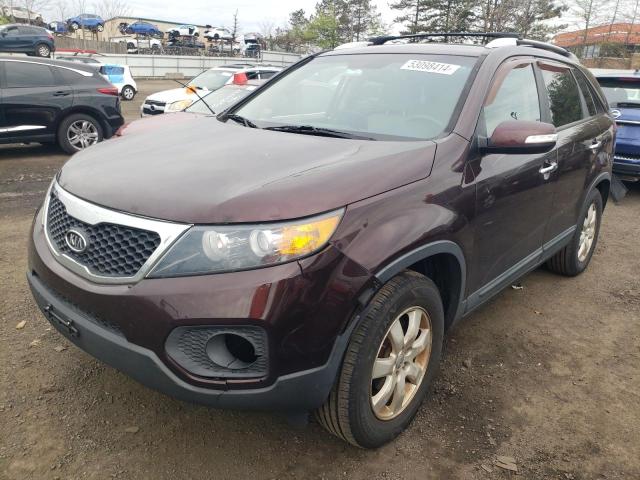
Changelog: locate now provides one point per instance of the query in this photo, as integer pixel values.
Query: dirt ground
(548, 375)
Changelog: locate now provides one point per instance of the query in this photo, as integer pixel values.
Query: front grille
(148, 111)
(111, 251)
(155, 102)
(626, 156)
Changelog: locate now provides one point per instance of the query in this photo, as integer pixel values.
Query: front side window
(564, 97)
(379, 96)
(19, 74)
(514, 98)
(9, 31)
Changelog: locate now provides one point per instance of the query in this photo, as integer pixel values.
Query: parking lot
(548, 374)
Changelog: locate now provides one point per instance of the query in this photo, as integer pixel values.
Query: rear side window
(20, 74)
(564, 97)
(69, 76)
(515, 98)
(586, 93)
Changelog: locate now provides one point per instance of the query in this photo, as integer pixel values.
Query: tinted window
(28, 75)
(69, 76)
(586, 92)
(11, 31)
(391, 97)
(515, 99)
(564, 98)
(265, 75)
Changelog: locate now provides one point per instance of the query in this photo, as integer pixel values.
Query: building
(111, 29)
(617, 39)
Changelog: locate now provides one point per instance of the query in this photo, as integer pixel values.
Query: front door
(32, 99)
(513, 199)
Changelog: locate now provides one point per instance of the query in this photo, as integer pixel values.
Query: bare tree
(588, 13)
(235, 29)
(109, 9)
(34, 6)
(62, 9)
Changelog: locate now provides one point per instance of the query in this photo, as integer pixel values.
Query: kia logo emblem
(76, 240)
(615, 113)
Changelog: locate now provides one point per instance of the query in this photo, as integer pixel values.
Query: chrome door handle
(548, 169)
(595, 146)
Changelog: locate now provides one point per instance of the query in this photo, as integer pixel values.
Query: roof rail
(546, 46)
(486, 35)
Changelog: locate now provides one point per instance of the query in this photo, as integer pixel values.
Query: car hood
(173, 95)
(200, 170)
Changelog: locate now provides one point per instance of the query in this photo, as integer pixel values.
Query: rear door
(582, 136)
(513, 196)
(33, 99)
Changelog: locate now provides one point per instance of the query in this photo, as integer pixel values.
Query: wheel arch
(602, 182)
(444, 263)
(87, 111)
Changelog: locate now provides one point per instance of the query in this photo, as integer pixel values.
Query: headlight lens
(225, 248)
(177, 106)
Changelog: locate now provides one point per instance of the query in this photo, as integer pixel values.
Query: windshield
(381, 96)
(221, 98)
(620, 91)
(211, 79)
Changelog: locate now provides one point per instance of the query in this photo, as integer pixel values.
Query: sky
(251, 13)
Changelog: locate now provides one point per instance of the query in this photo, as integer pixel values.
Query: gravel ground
(547, 375)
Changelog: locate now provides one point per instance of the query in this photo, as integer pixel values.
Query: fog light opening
(231, 351)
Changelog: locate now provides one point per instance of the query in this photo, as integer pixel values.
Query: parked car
(34, 41)
(134, 45)
(184, 42)
(59, 27)
(87, 21)
(177, 99)
(218, 33)
(120, 77)
(21, 15)
(140, 28)
(308, 248)
(183, 30)
(56, 101)
(623, 94)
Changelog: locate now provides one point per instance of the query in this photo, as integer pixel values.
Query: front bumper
(304, 307)
(626, 165)
(299, 391)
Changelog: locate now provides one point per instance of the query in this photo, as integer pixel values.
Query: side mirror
(518, 136)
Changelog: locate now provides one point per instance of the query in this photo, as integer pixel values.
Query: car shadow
(32, 150)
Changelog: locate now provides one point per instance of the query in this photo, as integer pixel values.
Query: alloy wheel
(43, 51)
(128, 93)
(588, 233)
(82, 134)
(401, 363)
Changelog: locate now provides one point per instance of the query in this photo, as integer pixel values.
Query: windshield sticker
(226, 74)
(430, 67)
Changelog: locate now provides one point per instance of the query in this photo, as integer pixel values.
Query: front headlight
(177, 106)
(226, 248)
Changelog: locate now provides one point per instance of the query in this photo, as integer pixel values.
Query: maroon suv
(309, 248)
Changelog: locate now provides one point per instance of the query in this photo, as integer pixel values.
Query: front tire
(79, 131)
(100, 28)
(389, 363)
(128, 92)
(573, 259)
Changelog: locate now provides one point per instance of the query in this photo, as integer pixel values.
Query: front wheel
(75, 26)
(573, 259)
(100, 28)
(128, 92)
(390, 361)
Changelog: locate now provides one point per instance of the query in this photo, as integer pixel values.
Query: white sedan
(183, 30)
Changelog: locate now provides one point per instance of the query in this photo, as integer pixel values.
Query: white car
(21, 14)
(177, 99)
(135, 44)
(218, 33)
(119, 75)
(183, 30)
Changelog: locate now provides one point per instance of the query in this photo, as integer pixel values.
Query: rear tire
(42, 50)
(128, 92)
(75, 123)
(357, 410)
(574, 258)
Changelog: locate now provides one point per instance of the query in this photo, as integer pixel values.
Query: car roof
(456, 49)
(46, 61)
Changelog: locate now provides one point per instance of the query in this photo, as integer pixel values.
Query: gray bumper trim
(301, 391)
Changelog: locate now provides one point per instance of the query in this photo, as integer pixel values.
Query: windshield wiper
(240, 119)
(627, 104)
(321, 132)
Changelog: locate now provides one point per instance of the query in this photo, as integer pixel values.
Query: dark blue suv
(623, 94)
(34, 41)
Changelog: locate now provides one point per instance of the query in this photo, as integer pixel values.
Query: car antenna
(195, 90)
